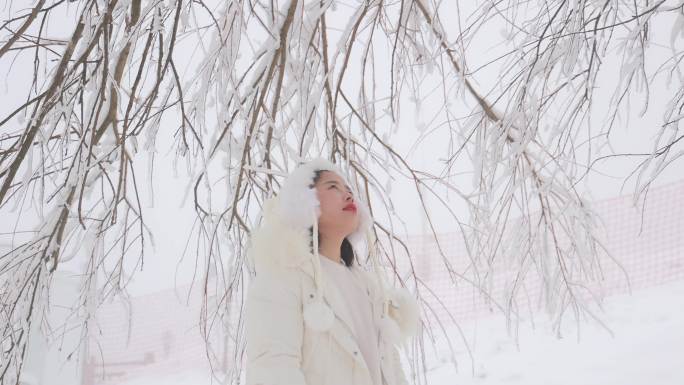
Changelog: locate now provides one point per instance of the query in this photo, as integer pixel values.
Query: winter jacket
(283, 350)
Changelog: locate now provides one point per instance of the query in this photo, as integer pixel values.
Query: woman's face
(339, 216)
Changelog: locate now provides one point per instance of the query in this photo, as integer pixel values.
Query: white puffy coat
(282, 349)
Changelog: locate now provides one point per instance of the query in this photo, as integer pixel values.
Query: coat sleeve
(274, 330)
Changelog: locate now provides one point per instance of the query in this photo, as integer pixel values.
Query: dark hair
(346, 250)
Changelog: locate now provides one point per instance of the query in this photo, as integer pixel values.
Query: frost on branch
(242, 91)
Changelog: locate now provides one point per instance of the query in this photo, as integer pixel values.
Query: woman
(313, 315)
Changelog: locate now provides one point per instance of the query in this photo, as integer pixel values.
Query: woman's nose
(349, 197)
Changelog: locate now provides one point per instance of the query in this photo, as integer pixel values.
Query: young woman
(314, 316)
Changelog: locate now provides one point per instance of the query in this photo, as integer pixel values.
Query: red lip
(350, 206)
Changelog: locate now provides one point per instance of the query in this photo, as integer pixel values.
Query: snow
(647, 347)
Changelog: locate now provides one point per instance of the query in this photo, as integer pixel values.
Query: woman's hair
(346, 250)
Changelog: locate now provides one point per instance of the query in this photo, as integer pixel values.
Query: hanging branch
(246, 90)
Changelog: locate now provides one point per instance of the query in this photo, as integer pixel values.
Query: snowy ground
(647, 347)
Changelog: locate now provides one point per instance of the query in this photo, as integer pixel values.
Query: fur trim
(283, 236)
(358, 237)
(403, 309)
(277, 242)
(298, 204)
